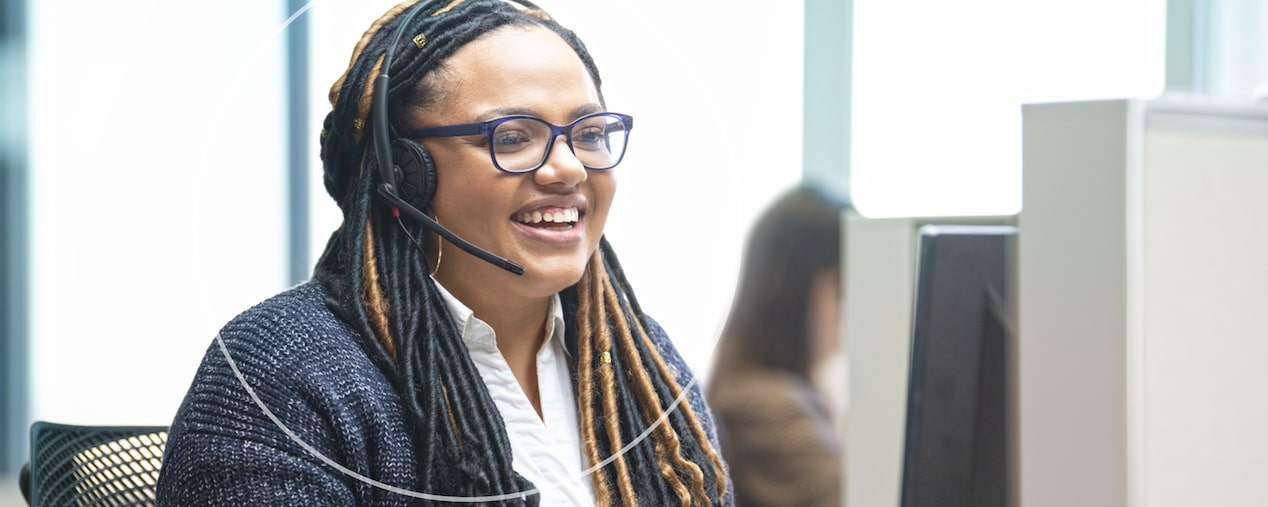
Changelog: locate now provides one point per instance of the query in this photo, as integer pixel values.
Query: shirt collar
(476, 331)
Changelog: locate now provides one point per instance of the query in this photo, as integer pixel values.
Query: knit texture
(310, 370)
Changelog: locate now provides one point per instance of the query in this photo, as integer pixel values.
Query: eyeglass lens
(597, 141)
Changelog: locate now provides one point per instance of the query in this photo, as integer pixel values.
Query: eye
(589, 137)
(510, 140)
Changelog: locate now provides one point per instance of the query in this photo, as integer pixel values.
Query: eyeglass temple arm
(465, 129)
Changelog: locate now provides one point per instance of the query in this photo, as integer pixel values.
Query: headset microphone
(465, 245)
(391, 176)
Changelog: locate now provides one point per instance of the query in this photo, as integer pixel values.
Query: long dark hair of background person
(795, 240)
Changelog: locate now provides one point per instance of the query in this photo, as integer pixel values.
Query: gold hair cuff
(606, 357)
(420, 40)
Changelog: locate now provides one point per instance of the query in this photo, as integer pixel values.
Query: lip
(549, 235)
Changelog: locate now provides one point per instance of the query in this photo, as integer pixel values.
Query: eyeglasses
(520, 144)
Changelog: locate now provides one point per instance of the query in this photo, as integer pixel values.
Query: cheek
(465, 182)
(455, 202)
(603, 192)
(827, 303)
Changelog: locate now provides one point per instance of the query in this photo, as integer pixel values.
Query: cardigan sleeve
(223, 450)
(283, 392)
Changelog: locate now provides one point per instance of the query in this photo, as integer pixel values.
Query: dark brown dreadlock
(379, 283)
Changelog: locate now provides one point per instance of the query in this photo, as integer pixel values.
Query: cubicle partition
(1143, 304)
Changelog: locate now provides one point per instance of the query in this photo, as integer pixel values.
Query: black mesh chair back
(24, 483)
(95, 465)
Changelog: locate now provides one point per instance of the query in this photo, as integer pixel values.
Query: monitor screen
(956, 445)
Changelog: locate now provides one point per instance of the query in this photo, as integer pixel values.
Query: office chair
(113, 466)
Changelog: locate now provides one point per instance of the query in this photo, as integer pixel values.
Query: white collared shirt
(546, 450)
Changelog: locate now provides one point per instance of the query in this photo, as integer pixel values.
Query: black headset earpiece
(414, 172)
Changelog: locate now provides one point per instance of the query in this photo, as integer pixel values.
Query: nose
(562, 167)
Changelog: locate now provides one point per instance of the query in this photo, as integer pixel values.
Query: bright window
(157, 195)
(938, 88)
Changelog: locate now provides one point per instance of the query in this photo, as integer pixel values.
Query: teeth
(559, 216)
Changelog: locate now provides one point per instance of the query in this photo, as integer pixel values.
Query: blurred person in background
(775, 423)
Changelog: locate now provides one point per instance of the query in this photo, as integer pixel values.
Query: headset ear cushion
(416, 174)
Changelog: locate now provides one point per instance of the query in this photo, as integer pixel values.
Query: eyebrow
(508, 111)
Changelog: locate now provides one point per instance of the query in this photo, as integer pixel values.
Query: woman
(417, 368)
(776, 426)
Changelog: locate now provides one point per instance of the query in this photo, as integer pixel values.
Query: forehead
(526, 68)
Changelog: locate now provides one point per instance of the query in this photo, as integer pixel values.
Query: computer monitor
(957, 442)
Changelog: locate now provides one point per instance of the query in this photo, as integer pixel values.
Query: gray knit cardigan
(307, 367)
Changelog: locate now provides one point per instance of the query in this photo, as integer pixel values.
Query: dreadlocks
(379, 282)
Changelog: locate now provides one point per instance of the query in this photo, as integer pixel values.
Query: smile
(566, 217)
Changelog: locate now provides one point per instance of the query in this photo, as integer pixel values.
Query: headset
(411, 184)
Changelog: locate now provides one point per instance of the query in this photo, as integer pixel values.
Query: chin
(554, 277)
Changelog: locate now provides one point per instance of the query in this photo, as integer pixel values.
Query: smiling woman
(499, 357)
(528, 71)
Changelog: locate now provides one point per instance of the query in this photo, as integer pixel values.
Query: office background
(160, 171)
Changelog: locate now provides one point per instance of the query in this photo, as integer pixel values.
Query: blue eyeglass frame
(486, 129)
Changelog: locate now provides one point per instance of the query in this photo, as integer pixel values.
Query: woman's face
(514, 70)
